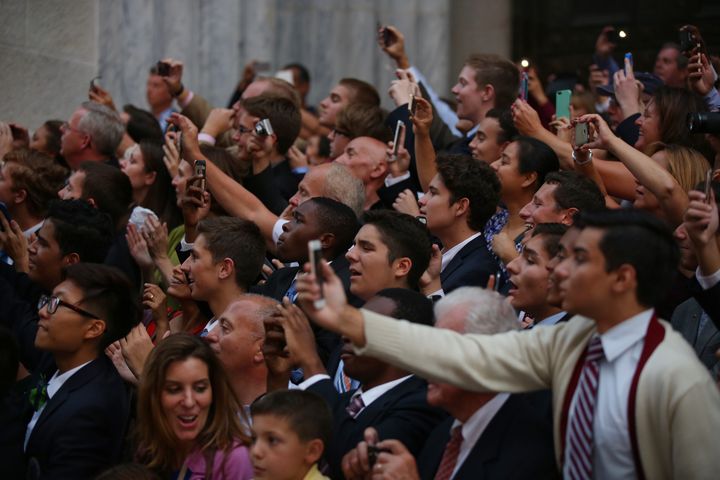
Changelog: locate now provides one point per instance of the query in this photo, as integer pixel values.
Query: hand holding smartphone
(399, 126)
(581, 134)
(200, 169)
(163, 68)
(708, 186)
(315, 257)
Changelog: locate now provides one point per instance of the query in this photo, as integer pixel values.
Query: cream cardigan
(677, 404)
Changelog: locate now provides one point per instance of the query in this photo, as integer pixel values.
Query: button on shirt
(473, 429)
(53, 386)
(612, 453)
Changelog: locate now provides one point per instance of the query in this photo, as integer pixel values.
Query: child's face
(277, 453)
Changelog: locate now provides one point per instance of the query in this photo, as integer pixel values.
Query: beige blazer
(677, 404)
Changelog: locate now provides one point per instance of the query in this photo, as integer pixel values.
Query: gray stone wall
(50, 49)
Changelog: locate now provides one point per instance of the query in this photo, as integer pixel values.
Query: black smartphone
(4, 211)
(17, 133)
(200, 168)
(315, 256)
(163, 68)
(687, 41)
(373, 452)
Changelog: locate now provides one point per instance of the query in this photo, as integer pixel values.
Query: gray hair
(486, 312)
(104, 127)
(266, 307)
(342, 186)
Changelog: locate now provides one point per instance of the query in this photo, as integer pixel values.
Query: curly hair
(477, 181)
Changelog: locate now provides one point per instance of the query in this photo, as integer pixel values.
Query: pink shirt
(235, 464)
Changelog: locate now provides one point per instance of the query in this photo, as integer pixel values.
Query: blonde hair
(686, 165)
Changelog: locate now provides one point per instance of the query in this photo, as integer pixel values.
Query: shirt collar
(551, 320)
(448, 255)
(625, 334)
(478, 421)
(376, 392)
(59, 379)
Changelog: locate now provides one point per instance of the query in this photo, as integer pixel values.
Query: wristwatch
(585, 162)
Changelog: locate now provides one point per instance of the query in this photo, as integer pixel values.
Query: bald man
(366, 159)
(238, 341)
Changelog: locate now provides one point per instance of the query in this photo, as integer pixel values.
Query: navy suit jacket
(471, 266)
(402, 413)
(517, 444)
(278, 284)
(81, 431)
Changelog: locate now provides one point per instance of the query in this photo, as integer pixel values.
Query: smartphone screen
(562, 104)
(708, 185)
(315, 256)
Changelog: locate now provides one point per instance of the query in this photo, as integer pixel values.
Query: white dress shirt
(367, 396)
(612, 452)
(448, 256)
(473, 429)
(53, 386)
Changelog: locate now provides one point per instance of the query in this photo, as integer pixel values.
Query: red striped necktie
(580, 425)
(450, 456)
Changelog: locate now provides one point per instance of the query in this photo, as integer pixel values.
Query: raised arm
(233, 197)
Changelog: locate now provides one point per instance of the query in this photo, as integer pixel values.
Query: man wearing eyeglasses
(93, 133)
(76, 411)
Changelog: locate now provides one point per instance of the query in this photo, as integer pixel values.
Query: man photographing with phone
(615, 358)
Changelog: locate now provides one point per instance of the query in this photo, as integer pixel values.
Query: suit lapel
(706, 334)
(80, 378)
(456, 262)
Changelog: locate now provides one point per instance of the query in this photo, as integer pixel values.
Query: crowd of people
(519, 281)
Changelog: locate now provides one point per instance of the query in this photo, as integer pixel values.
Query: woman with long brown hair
(190, 424)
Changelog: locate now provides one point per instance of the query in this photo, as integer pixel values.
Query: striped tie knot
(356, 405)
(595, 351)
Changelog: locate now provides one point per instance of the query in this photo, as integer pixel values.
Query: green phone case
(562, 104)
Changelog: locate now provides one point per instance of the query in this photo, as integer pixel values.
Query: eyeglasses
(54, 302)
(66, 126)
(341, 132)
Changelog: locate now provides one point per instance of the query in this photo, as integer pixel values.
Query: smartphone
(373, 452)
(524, 86)
(94, 82)
(315, 256)
(412, 105)
(163, 68)
(708, 185)
(581, 134)
(5, 212)
(17, 133)
(686, 40)
(396, 139)
(262, 66)
(629, 58)
(200, 168)
(562, 103)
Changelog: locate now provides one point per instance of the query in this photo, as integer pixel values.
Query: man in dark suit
(490, 435)
(460, 200)
(77, 412)
(389, 399)
(335, 225)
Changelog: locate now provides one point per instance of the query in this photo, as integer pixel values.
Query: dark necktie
(356, 405)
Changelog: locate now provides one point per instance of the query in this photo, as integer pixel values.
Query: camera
(264, 128)
(704, 122)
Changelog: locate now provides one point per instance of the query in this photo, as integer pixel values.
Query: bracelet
(179, 92)
(589, 159)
